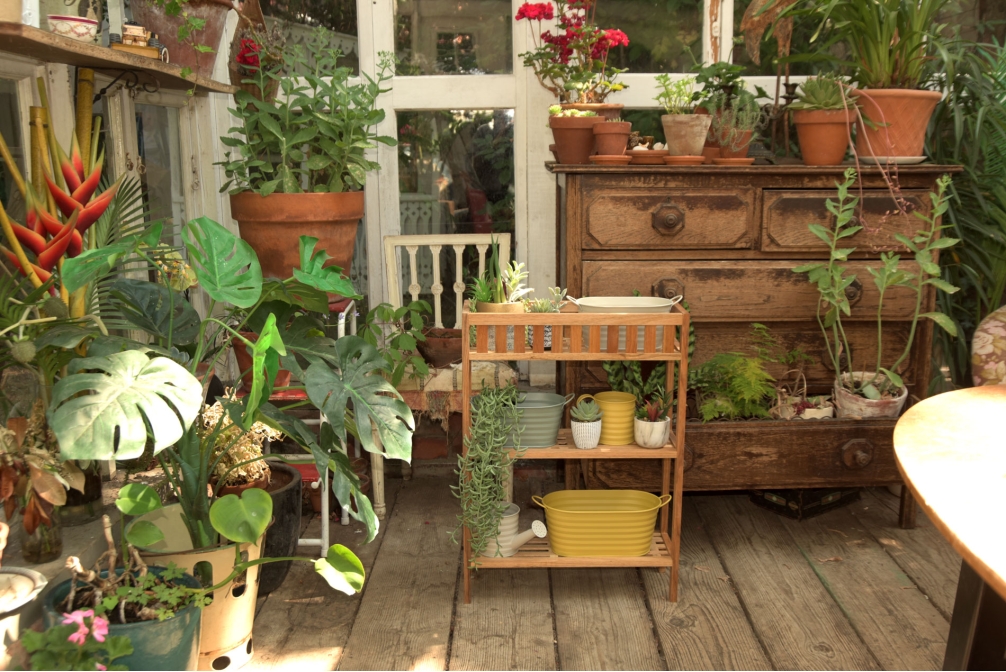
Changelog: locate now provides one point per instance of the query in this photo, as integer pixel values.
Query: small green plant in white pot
(685, 131)
(652, 426)
(586, 423)
(553, 304)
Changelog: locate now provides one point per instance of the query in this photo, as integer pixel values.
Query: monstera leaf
(265, 364)
(226, 266)
(103, 409)
(156, 309)
(314, 273)
(357, 380)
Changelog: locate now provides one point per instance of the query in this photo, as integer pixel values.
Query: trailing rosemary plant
(484, 469)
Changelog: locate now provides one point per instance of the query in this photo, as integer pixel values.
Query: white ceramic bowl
(76, 27)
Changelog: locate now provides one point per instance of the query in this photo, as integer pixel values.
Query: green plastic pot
(172, 644)
(539, 414)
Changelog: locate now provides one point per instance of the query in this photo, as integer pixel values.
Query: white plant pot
(851, 405)
(586, 435)
(652, 434)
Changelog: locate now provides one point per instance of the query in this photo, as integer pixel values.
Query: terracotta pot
(684, 160)
(214, 12)
(612, 137)
(851, 405)
(551, 148)
(273, 224)
(647, 157)
(261, 484)
(743, 142)
(901, 117)
(245, 363)
(823, 134)
(685, 133)
(711, 141)
(574, 138)
(606, 110)
(441, 348)
(710, 152)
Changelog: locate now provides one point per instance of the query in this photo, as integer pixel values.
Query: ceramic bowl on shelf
(74, 27)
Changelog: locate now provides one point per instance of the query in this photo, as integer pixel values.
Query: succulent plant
(822, 93)
(586, 411)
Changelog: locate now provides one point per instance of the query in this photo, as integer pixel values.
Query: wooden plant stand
(577, 337)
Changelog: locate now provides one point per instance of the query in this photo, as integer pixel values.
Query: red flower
(248, 55)
(616, 38)
(538, 11)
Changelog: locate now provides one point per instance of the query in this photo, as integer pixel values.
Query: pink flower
(100, 666)
(78, 637)
(78, 617)
(99, 628)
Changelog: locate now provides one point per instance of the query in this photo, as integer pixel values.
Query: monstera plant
(130, 396)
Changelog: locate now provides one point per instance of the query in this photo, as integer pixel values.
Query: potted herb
(652, 424)
(573, 63)
(611, 137)
(823, 115)
(585, 423)
(685, 132)
(734, 127)
(300, 164)
(731, 386)
(718, 83)
(878, 391)
(573, 132)
(553, 304)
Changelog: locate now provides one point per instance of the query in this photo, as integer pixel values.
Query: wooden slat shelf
(565, 449)
(577, 337)
(538, 553)
(17, 38)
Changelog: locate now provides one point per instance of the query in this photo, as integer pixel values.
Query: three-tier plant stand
(578, 337)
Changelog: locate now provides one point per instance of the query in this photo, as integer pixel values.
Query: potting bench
(578, 337)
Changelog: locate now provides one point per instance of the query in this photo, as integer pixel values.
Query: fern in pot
(586, 423)
(652, 426)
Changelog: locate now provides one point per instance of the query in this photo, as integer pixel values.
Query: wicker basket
(600, 522)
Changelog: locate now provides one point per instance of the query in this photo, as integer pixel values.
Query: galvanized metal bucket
(539, 414)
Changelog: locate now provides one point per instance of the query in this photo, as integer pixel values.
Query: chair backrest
(436, 242)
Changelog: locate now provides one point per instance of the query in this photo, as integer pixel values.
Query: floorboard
(707, 628)
(902, 629)
(404, 618)
(923, 554)
(790, 610)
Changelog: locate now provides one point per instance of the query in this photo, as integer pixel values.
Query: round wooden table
(951, 451)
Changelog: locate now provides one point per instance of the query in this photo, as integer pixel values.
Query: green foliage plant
(394, 332)
(500, 285)
(484, 469)
(675, 96)
(734, 126)
(557, 111)
(188, 30)
(823, 92)
(831, 278)
(315, 135)
(717, 79)
(732, 386)
(657, 408)
(586, 411)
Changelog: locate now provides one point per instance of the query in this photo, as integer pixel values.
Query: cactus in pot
(586, 423)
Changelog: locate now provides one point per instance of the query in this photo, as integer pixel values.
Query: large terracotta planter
(273, 224)
(441, 348)
(244, 359)
(823, 135)
(606, 110)
(900, 117)
(574, 138)
(214, 12)
(686, 133)
(612, 137)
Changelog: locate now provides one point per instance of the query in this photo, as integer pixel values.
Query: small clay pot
(710, 153)
(685, 133)
(823, 134)
(441, 348)
(574, 138)
(245, 363)
(612, 137)
(743, 143)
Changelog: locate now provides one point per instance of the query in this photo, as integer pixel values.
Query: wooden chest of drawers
(727, 239)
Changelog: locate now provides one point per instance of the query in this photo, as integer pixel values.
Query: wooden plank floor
(846, 590)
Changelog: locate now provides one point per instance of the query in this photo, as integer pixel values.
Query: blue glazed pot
(172, 644)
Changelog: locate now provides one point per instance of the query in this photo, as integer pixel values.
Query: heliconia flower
(91, 208)
(12, 258)
(56, 247)
(52, 226)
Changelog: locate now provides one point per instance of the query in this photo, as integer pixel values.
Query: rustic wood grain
(792, 612)
(746, 454)
(902, 629)
(601, 621)
(707, 628)
(732, 291)
(304, 621)
(404, 619)
(921, 553)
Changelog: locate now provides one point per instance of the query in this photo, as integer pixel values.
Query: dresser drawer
(742, 291)
(620, 218)
(786, 214)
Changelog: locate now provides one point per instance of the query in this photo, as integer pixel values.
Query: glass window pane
(456, 175)
(664, 35)
(457, 37)
(10, 127)
(161, 176)
(296, 20)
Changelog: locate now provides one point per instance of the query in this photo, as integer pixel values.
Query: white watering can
(509, 540)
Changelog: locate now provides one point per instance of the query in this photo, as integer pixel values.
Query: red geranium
(538, 11)
(248, 55)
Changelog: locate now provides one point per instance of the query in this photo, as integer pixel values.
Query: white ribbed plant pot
(652, 434)
(586, 435)
(225, 641)
(851, 405)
